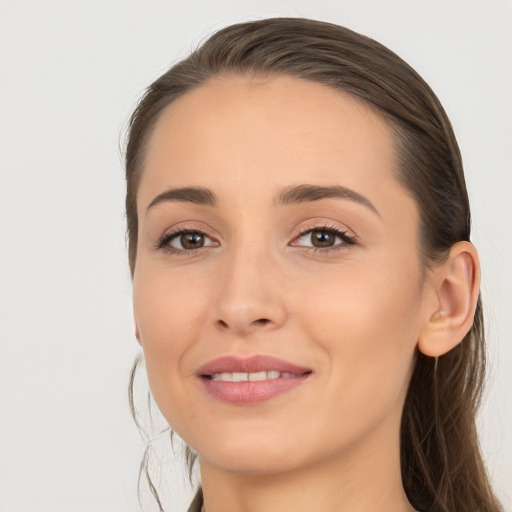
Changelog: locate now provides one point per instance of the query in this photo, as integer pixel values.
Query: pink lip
(250, 392)
(252, 364)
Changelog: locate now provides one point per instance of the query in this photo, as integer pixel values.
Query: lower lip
(251, 392)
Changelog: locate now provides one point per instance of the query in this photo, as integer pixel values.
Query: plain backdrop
(70, 74)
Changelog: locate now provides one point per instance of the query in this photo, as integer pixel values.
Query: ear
(137, 333)
(453, 293)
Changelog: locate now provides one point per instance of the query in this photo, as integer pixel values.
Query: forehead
(261, 134)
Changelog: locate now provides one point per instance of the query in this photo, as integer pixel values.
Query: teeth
(257, 376)
(244, 377)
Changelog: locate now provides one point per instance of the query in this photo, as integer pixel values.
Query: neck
(365, 478)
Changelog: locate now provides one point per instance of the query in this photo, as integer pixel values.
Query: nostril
(240, 325)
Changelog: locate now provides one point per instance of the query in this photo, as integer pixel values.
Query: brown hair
(442, 468)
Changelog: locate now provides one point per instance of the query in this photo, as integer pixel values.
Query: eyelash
(163, 241)
(347, 240)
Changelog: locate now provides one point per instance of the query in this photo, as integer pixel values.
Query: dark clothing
(197, 502)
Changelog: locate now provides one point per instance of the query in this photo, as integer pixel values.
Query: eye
(184, 241)
(324, 238)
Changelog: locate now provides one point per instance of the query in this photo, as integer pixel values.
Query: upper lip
(257, 363)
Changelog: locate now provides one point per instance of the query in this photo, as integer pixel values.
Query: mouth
(248, 381)
(256, 364)
(253, 376)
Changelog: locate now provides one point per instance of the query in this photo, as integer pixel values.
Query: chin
(263, 463)
(254, 455)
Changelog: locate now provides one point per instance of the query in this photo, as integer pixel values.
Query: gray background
(70, 74)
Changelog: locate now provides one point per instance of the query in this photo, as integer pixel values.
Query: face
(274, 237)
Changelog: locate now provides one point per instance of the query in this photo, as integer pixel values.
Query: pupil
(323, 239)
(192, 240)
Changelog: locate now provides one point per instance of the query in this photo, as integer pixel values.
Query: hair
(441, 463)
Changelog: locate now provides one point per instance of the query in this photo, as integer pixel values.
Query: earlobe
(455, 286)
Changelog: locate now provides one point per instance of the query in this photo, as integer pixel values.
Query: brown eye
(185, 241)
(322, 238)
(328, 238)
(189, 240)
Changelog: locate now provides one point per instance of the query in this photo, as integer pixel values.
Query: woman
(305, 290)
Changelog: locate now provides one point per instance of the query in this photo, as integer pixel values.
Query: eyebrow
(289, 195)
(307, 193)
(196, 195)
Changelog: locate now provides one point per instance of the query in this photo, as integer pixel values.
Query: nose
(250, 297)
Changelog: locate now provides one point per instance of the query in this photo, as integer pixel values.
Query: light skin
(355, 311)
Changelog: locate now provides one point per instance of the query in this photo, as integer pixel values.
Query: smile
(256, 376)
(259, 378)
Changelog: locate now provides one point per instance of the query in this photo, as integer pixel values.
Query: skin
(355, 315)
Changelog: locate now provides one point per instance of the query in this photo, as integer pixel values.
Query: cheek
(362, 304)
(367, 323)
(167, 304)
(169, 317)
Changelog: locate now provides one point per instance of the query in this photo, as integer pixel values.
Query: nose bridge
(249, 296)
